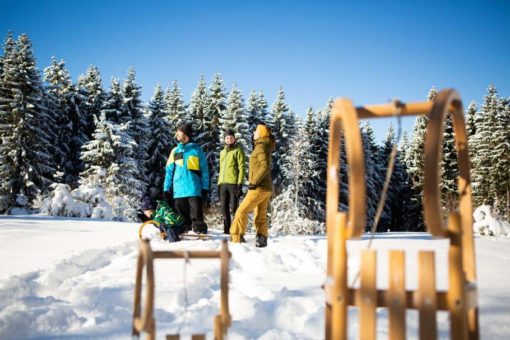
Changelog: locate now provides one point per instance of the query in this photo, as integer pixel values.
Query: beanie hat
(230, 132)
(187, 129)
(263, 131)
(147, 203)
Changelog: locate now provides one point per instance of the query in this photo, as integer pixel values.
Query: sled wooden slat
(397, 295)
(388, 110)
(456, 294)
(218, 328)
(412, 298)
(224, 309)
(192, 254)
(427, 302)
(193, 337)
(339, 290)
(368, 301)
(143, 321)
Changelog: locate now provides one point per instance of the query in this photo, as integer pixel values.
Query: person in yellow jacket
(260, 189)
(231, 177)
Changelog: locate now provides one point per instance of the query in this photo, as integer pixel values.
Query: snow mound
(487, 224)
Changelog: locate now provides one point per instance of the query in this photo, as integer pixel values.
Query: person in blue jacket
(187, 180)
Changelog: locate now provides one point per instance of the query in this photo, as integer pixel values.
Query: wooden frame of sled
(460, 300)
(145, 322)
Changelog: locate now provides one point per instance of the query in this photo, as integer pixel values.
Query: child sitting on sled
(170, 222)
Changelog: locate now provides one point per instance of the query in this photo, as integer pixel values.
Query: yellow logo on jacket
(193, 163)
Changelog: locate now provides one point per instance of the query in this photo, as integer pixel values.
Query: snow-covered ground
(74, 278)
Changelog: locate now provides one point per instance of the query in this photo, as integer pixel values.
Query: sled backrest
(145, 322)
(460, 298)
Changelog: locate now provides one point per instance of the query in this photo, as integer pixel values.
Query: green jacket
(165, 214)
(260, 164)
(232, 165)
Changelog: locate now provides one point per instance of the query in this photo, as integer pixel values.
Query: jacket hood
(268, 140)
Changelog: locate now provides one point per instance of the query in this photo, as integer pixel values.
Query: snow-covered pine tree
(175, 108)
(263, 106)
(501, 159)
(483, 144)
(449, 169)
(390, 217)
(471, 119)
(198, 112)
(109, 164)
(405, 207)
(292, 207)
(235, 117)
(70, 136)
(471, 116)
(404, 145)
(200, 117)
(91, 97)
(113, 105)
(282, 132)
(28, 137)
(98, 154)
(211, 137)
(415, 166)
(137, 127)
(257, 113)
(375, 168)
(314, 198)
(7, 62)
(160, 142)
(216, 104)
(298, 167)
(253, 116)
(322, 124)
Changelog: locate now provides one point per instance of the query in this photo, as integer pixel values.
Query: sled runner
(163, 235)
(460, 299)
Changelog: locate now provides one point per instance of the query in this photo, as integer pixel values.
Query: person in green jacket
(231, 177)
(260, 189)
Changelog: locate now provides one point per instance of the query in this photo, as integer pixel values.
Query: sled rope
(186, 300)
(389, 173)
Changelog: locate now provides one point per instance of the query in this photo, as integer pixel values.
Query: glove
(239, 190)
(205, 196)
(169, 197)
(252, 187)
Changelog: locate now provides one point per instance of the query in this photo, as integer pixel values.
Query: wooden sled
(460, 299)
(188, 236)
(143, 320)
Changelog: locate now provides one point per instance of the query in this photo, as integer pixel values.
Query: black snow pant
(190, 209)
(229, 203)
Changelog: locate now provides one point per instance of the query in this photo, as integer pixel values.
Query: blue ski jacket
(187, 172)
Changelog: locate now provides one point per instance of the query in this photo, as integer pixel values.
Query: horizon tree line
(85, 136)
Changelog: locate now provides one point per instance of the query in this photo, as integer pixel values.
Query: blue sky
(370, 51)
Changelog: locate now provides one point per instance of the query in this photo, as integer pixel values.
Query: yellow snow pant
(255, 200)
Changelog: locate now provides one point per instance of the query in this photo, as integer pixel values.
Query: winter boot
(260, 241)
(200, 228)
(172, 236)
